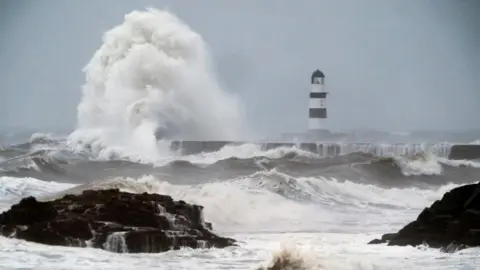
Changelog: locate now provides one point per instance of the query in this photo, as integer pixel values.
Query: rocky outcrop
(451, 223)
(112, 220)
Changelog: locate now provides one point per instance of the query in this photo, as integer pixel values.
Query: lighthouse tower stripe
(317, 102)
(318, 95)
(318, 113)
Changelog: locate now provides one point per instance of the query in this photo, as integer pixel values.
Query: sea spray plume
(151, 74)
(288, 259)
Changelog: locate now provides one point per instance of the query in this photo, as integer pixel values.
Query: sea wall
(465, 151)
(329, 149)
(195, 147)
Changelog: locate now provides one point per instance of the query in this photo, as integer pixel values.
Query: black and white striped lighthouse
(318, 104)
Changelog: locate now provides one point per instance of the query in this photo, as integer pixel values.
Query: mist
(394, 65)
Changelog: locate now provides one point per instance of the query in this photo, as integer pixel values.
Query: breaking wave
(52, 160)
(288, 258)
(14, 188)
(257, 201)
(151, 82)
(151, 78)
(420, 164)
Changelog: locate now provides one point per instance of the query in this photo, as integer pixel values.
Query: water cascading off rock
(112, 220)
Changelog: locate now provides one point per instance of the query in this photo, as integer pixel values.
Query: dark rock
(385, 239)
(451, 224)
(375, 241)
(112, 220)
(388, 237)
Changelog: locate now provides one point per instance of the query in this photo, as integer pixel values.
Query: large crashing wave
(152, 75)
(276, 202)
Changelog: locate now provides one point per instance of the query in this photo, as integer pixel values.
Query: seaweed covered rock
(451, 223)
(112, 220)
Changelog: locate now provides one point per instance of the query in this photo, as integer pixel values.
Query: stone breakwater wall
(452, 151)
(465, 151)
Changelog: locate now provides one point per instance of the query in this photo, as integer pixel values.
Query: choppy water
(152, 76)
(323, 209)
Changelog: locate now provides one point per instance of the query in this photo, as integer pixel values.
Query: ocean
(152, 76)
(323, 210)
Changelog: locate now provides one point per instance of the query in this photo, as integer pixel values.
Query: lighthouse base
(317, 134)
(314, 135)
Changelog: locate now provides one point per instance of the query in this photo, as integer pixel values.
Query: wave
(13, 189)
(40, 161)
(290, 259)
(420, 164)
(253, 203)
(247, 151)
(60, 164)
(394, 170)
(152, 78)
(46, 138)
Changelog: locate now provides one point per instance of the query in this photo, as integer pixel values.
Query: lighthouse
(318, 105)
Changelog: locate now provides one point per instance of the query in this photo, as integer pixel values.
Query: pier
(328, 149)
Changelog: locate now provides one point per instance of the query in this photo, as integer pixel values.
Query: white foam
(151, 72)
(365, 195)
(245, 210)
(272, 201)
(460, 163)
(349, 251)
(403, 149)
(42, 137)
(253, 204)
(423, 164)
(245, 151)
(12, 189)
(320, 251)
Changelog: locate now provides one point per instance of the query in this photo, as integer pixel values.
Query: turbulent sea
(152, 76)
(321, 209)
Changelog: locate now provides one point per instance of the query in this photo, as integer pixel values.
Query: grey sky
(394, 65)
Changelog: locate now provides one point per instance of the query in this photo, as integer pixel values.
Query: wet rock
(389, 236)
(451, 224)
(376, 241)
(385, 239)
(112, 220)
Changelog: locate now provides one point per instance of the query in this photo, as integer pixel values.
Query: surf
(152, 77)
